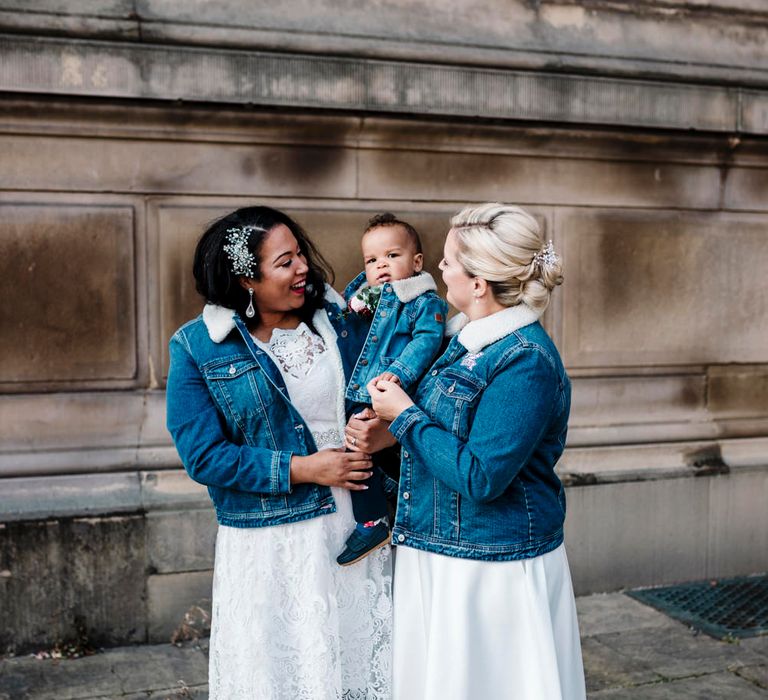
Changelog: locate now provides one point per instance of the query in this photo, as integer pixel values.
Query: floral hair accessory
(236, 248)
(546, 256)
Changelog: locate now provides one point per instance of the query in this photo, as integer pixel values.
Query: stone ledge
(627, 463)
(79, 495)
(86, 495)
(660, 38)
(116, 70)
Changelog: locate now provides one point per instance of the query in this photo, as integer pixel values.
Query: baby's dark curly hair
(389, 219)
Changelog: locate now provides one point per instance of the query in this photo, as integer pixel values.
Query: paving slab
(606, 668)
(712, 686)
(603, 613)
(631, 652)
(142, 671)
(758, 645)
(758, 675)
(678, 652)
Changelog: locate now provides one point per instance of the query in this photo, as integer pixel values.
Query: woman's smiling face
(459, 285)
(283, 268)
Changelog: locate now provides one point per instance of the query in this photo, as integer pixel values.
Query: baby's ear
(418, 262)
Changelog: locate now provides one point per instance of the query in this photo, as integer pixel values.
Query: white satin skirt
(470, 630)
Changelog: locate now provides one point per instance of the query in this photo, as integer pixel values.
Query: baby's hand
(389, 377)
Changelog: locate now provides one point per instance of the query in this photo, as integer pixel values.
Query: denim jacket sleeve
(512, 416)
(197, 428)
(427, 337)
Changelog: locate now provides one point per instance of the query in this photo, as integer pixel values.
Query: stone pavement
(631, 652)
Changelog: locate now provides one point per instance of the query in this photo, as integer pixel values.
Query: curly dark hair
(389, 219)
(212, 268)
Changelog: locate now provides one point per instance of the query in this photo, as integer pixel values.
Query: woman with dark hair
(256, 409)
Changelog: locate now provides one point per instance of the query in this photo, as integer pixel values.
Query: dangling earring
(250, 312)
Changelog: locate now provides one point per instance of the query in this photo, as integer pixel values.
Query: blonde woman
(484, 606)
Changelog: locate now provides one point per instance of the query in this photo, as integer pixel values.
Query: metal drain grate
(736, 607)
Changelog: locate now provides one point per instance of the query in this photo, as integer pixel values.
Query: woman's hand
(366, 432)
(388, 399)
(332, 468)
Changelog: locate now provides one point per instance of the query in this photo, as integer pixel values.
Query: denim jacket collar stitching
(406, 289)
(478, 334)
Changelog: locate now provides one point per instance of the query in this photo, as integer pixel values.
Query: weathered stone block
(171, 490)
(736, 391)
(179, 603)
(484, 177)
(68, 289)
(623, 267)
(737, 524)
(616, 539)
(180, 541)
(164, 166)
(617, 400)
(78, 579)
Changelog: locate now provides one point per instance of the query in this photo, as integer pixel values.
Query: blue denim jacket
(405, 334)
(480, 446)
(234, 426)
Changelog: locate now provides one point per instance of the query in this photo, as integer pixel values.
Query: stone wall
(635, 132)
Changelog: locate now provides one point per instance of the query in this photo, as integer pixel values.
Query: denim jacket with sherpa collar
(405, 334)
(233, 423)
(480, 444)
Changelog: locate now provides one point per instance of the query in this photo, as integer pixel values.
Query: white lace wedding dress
(288, 622)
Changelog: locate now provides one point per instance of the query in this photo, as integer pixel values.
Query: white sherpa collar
(220, 321)
(409, 288)
(476, 335)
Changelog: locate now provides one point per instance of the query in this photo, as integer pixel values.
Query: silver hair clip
(236, 248)
(546, 256)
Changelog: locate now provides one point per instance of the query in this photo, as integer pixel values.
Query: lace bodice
(310, 377)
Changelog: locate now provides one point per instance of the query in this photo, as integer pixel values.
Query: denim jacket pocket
(453, 401)
(237, 385)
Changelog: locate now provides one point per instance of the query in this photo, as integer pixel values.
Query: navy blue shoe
(362, 542)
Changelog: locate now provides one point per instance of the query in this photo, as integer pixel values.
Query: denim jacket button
(434, 372)
(406, 496)
(363, 362)
(355, 386)
(451, 388)
(383, 314)
(401, 538)
(232, 369)
(375, 339)
(388, 288)
(344, 334)
(405, 454)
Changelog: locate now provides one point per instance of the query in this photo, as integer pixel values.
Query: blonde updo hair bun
(503, 245)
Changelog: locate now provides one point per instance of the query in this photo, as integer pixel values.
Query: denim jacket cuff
(405, 420)
(281, 473)
(402, 373)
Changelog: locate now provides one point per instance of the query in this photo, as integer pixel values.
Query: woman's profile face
(459, 285)
(283, 273)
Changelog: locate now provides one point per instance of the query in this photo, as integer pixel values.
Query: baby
(405, 335)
